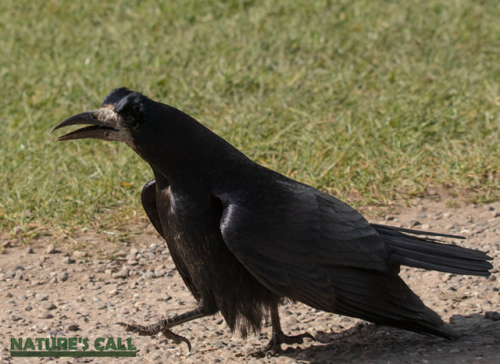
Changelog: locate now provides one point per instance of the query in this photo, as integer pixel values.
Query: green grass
(359, 98)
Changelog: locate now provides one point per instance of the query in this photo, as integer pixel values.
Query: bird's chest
(192, 230)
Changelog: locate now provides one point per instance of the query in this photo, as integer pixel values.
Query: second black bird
(244, 237)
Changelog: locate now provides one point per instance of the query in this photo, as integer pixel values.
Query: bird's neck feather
(185, 151)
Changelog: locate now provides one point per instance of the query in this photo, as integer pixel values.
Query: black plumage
(244, 238)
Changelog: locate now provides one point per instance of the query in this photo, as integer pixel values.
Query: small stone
(488, 208)
(42, 296)
(446, 215)
(453, 351)
(219, 344)
(465, 231)
(389, 217)
(29, 250)
(6, 244)
(413, 223)
(426, 227)
(102, 306)
(8, 295)
(494, 213)
(79, 254)
(19, 274)
(160, 273)
(45, 315)
(49, 306)
(68, 260)
(17, 230)
(164, 297)
(63, 276)
(50, 249)
(121, 274)
(15, 317)
(121, 254)
(10, 274)
(73, 327)
(28, 308)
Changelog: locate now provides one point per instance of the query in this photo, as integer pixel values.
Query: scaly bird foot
(155, 329)
(274, 346)
(177, 339)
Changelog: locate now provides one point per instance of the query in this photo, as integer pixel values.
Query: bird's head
(121, 115)
(168, 139)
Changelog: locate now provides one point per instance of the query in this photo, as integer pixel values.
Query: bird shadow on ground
(369, 343)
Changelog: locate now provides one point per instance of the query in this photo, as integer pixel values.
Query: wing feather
(288, 235)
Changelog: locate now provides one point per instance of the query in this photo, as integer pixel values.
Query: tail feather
(384, 298)
(415, 232)
(426, 253)
(437, 328)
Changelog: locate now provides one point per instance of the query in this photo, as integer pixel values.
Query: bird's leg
(164, 326)
(273, 348)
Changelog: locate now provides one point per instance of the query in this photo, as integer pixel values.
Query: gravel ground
(46, 292)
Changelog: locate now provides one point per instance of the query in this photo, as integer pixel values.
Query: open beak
(99, 129)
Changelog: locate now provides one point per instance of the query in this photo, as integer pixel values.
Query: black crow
(245, 238)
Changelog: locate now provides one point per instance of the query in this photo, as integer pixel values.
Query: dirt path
(45, 295)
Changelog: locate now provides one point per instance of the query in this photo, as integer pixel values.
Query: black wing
(288, 235)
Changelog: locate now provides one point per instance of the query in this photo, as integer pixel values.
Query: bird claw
(153, 330)
(177, 339)
(265, 352)
(273, 348)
